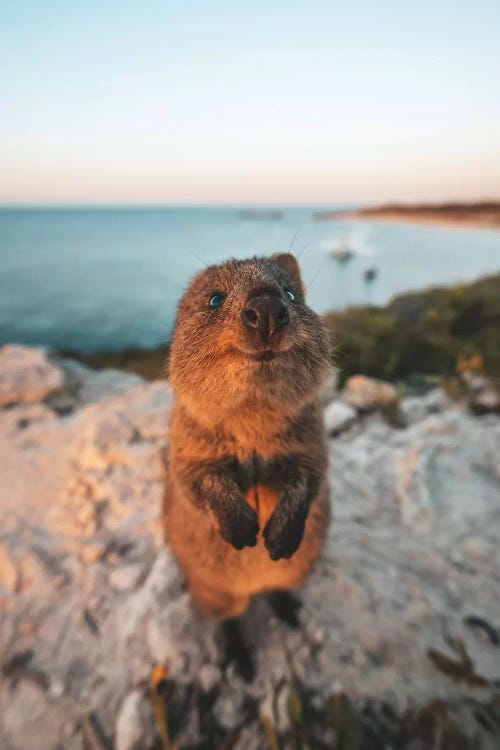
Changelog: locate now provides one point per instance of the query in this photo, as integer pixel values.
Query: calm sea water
(107, 278)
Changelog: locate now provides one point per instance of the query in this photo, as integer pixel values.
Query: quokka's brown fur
(246, 506)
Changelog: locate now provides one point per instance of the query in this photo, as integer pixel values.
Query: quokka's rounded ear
(288, 263)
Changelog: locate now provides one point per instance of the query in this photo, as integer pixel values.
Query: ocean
(105, 279)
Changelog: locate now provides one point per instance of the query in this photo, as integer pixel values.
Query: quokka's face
(244, 326)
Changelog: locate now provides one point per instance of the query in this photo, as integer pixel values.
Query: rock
(476, 548)
(25, 415)
(8, 570)
(135, 723)
(162, 586)
(415, 408)
(27, 375)
(412, 551)
(329, 392)
(32, 571)
(126, 578)
(83, 385)
(105, 439)
(92, 552)
(339, 416)
(436, 401)
(474, 381)
(488, 400)
(118, 428)
(483, 392)
(56, 688)
(249, 738)
(209, 677)
(30, 720)
(179, 637)
(366, 394)
(229, 710)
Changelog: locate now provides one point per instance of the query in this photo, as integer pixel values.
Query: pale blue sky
(260, 102)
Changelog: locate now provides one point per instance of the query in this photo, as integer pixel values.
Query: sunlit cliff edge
(401, 610)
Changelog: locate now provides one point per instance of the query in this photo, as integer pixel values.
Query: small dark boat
(261, 214)
(370, 274)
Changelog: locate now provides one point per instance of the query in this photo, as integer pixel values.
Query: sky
(249, 102)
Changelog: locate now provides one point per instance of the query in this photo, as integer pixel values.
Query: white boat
(343, 253)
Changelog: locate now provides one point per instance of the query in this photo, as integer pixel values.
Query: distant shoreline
(485, 215)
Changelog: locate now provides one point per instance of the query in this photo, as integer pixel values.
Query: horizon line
(238, 204)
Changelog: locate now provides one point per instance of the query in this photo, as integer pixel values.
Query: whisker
(299, 256)
(198, 258)
(293, 241)
(315, 276)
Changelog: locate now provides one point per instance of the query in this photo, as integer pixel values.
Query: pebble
(93, 552)
(339, 416)
(209, 676)
(228, 710)
(126, 578)
(135, 725)
(56, 688)
(26, 374)
(364, 393)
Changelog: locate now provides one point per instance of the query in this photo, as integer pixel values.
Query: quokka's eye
(216, 299)
(290, 295)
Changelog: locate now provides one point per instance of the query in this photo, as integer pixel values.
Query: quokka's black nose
(267, 314)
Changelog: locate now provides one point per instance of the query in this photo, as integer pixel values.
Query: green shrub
(426, 332)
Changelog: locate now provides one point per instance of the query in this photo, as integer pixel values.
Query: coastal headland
(484, 214)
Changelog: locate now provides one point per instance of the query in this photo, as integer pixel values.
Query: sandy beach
(474, 215)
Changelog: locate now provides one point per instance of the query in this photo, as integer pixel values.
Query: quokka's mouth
(266, 356)
(262, 355)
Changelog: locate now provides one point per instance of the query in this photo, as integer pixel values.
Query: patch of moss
(427, 332)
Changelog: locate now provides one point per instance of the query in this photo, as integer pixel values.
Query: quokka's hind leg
(236, 650)
(286, 606)
(220, 605)
(228, 608)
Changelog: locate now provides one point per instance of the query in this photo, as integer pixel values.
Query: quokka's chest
(262, 482)
(256, 471)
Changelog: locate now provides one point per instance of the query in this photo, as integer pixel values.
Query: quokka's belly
(258, 571)
(214, 563)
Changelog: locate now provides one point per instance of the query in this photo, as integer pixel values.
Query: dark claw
(283, 534)
(239, 526)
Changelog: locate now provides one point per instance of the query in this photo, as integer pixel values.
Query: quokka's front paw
(238, 524)
(283, 533)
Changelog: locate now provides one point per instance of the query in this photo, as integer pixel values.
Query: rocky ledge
(398, 634)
